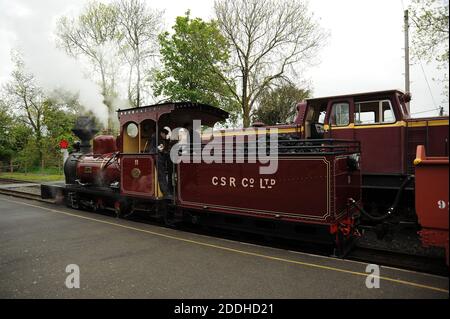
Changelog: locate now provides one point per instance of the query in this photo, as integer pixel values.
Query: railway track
(419, 263)
(20, 193)
(25, 195)
(390, 258)
(11, 181)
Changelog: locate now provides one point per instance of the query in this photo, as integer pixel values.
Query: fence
(17, 167)
(10, 168)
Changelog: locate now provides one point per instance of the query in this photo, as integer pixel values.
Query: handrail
(423, 159)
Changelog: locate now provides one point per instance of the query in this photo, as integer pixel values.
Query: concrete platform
(17, 185)
(124, 259)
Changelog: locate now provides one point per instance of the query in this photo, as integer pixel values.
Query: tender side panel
(137, 177)
(299, 190)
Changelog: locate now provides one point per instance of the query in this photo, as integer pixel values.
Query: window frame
(330, 117)
(127, 125)
(380, 112)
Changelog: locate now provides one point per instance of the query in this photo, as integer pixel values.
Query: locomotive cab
(139, 162)
(314, 117)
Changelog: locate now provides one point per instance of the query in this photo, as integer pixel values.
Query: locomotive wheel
(169, 219)
(381, 230)
(72, 200)
(121, 209)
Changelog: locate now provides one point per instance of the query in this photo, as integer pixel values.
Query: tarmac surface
(125, 259)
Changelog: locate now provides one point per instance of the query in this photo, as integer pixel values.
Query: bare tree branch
(139, 27)
(268, 38)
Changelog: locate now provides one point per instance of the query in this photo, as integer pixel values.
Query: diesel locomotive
(345, 162)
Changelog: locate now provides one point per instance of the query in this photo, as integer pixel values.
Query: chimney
(85, 129)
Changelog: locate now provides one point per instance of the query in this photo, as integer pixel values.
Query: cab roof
(174, 113)
(357, 95)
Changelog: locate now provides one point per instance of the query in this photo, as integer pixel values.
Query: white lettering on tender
(245, 182)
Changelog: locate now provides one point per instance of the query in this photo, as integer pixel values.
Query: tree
(62, 109)
(28, 99)
(94, 35)
(14, 135)
(278, 105)
(139, 29)
(269, 39)
(32, 122)
(430, 21)
(5, 133)
(195, 61)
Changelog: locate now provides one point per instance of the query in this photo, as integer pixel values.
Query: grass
(33, 177)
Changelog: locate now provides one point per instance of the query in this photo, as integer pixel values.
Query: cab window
(321, 119)
(374, 112)
(130, 138)
(340, 114)
(388, 113)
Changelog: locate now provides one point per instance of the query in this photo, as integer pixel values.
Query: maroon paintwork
(137, 175)
(104, 144)
(317, 188)
(172, 114)
(167, 114)
(432, 204)
(434, 138)
(92, 169)
(396, 142)
(310, 189)
(399, 144)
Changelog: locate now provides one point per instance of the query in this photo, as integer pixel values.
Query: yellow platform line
(403, 282)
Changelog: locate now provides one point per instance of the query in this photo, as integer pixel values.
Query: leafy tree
(269, 40)
(279, 105)
(5, 133)
(27, 98)
(33, 122)
(61, 110)
(14, 136)
(430, 22)
(194, 61)
(28, 156)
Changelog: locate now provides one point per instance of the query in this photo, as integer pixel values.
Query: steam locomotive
(344, 161)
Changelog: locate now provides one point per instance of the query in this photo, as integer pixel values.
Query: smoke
(31, 25)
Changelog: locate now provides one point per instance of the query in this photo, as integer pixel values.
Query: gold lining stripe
(430, 123)
(397, 124)
(327, 127)
(353, 126)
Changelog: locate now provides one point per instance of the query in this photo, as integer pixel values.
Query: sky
(364, 51)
